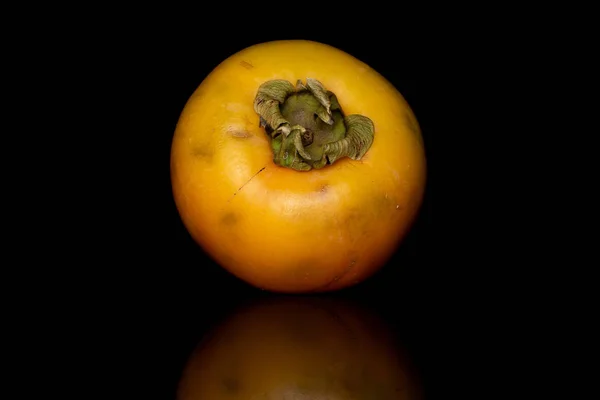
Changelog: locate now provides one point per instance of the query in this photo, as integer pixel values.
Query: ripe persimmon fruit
(297, 167)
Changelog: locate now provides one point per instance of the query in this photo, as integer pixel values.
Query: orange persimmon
(297, 167)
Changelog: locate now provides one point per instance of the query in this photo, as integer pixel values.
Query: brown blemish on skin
(357, 222)
(231, 385)
(239, 134)
(246, 64)
(201, 152)
(324, 188)
(229, 219)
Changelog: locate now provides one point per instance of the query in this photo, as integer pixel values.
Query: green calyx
(307, 127)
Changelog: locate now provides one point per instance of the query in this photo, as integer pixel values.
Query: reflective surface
(168, 303)
(299, 348)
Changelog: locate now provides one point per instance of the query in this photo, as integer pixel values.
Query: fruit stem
(306, 125)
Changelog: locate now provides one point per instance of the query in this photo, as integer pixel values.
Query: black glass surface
(170, 298)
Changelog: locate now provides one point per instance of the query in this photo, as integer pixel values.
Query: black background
(164, 293)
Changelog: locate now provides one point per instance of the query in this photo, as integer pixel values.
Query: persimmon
(297, 167)
(300, 348)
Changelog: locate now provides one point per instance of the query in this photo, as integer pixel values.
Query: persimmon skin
(295, 231)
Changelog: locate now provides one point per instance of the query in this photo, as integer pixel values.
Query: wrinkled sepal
(286, 153)
(295, 146)
(359, 138)
(266, 104)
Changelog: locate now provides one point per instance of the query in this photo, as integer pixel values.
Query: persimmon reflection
(299, 348)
